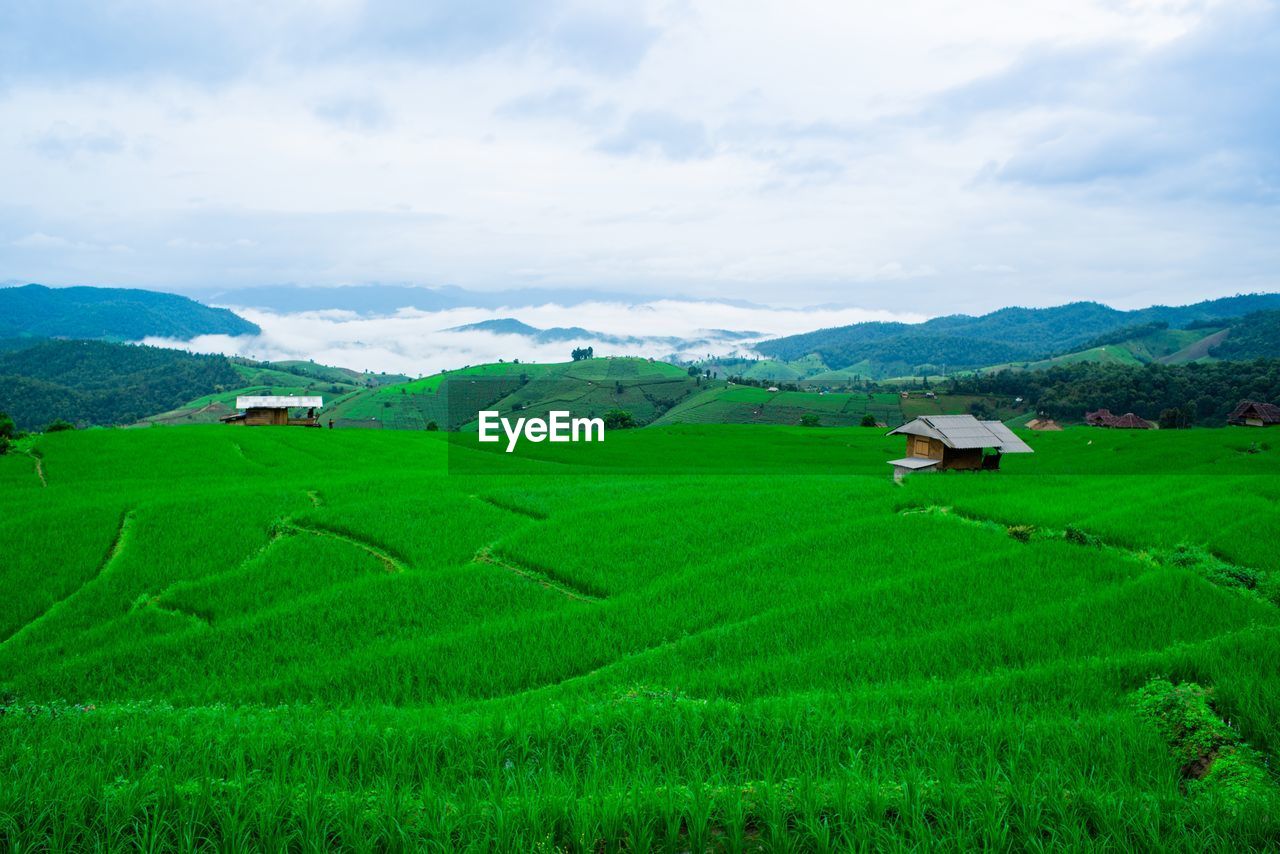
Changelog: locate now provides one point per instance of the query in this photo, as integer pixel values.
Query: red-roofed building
(1251, 413)
(1128, 421)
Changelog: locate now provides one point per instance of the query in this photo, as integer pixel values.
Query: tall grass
(313, 639)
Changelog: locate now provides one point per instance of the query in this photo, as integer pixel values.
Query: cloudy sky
(921, 156)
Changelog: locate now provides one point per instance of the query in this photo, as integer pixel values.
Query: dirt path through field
(562, 586)
(391, 563)
(1211, 566)
(108, 559)
(39, 467)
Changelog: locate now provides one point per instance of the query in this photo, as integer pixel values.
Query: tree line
(1178, 395)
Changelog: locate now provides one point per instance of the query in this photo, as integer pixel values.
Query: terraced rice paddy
(695, 637)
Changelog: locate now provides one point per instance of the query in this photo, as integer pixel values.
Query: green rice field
(692, 637)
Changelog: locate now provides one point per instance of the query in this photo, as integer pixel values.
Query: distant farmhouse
(1128, 421)
(1043, 424)
(1251, 413)
(961, 442)
(271, 410)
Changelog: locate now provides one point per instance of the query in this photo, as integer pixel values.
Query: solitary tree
(618, 419)
(868, 420)
(6, 432)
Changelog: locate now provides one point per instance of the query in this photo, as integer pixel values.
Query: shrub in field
(59, 426)
(868, 420)
(1187, 723)
(1021, 533)
(1213, 758)
(809, 420)
(1073, 534)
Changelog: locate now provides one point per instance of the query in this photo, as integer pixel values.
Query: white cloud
(800, 153)
(419, 342)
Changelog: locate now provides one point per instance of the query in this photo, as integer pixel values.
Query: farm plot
(693, 637)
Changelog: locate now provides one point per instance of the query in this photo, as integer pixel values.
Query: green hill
(1255, 336)
(749, 405)
(1005, 337)
(99, 383)
(116, 314)
(275, 378)
(589, 387)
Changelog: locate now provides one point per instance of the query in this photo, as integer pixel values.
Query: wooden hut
(961, 442)
(1128, 421)
(1251, 413)
(1098, 418)
(275, 410)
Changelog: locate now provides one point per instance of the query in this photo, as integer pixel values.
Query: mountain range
(555, 334)
(1006, 336)
(114, 314)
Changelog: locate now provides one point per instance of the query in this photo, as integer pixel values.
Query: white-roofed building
(940, 442)
(275, 410)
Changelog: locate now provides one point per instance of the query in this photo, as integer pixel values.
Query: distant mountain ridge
(115, 314)
(1003, 336)
(560, 334)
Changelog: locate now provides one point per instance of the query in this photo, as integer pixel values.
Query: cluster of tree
(580, 353)
(8, 431)
(1256, 336)
(619, 419)
(1178, 395)
(755, 383)
(94, 382)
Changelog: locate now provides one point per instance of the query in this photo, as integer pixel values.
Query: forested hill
(1188, 394)
(1254, 337)
(119, 314)
(1010, 334)
(95, 382)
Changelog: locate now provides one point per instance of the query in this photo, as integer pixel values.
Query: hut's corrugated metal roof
(918, 427)
(1009, 441)
(964, 432)
(277, 402)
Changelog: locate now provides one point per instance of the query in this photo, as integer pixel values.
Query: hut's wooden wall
(962, 458)
(923, 446)
(259, 417)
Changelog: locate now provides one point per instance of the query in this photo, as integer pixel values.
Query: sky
(908, 157)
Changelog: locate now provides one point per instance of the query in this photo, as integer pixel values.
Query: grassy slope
(1168, 346)
(749, 405)
(386, 640)
(643, 387)
(335, 385)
